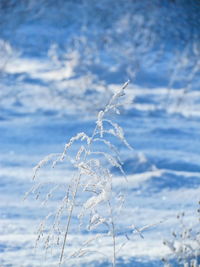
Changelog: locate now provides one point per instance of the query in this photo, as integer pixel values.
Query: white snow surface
(59, 67)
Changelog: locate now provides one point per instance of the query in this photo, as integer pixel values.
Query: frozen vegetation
(95, 170)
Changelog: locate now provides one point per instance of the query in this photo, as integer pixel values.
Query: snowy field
(60, 65)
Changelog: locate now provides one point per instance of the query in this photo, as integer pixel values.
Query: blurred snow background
(59, 64)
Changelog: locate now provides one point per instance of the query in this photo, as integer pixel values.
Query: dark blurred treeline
(137, 38)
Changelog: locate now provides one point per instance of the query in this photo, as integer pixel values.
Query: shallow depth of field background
(60, 62)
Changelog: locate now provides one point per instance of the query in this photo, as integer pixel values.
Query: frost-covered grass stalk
(185, 244)
(91, 183)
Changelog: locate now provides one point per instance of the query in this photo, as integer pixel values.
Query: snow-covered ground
(59, 67)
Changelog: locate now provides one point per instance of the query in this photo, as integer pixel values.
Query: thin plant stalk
(69, 220)
(113, 235)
